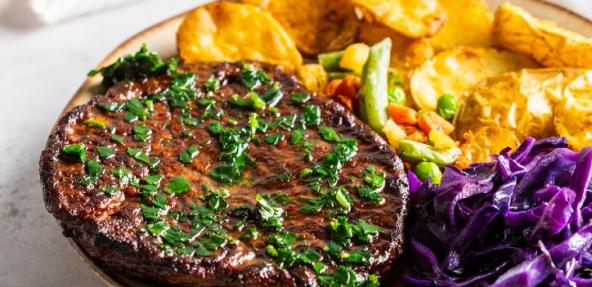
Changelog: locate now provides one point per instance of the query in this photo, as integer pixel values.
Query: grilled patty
(225, 174)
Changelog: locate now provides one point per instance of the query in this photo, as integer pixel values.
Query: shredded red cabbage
(523, 220)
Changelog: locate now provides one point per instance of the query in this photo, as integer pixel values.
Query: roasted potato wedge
(471, 28)
(521, 101)
(573, 114)
(314, 77)
(479, 145)
(406, 53)
(414, 19)
(317, 26)
(456, 71)
(216, 32)
(543, 40)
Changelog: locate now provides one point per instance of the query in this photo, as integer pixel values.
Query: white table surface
(40, 69)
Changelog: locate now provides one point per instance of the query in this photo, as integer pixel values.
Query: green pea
(396, 95)
(426, 169)
(447, 106)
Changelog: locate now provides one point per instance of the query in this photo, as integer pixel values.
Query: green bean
(330, 61)
(373, 90)
(413, 151)
(426, 169)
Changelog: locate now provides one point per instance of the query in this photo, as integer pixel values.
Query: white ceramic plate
(161, 38)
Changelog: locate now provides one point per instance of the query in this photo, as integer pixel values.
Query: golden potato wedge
(314, 77)
(406, 53)
(456, 71)
(473, 27)
(543, 40)
(216, 32)
(317, 26)
(523, 101)
(573, 115)
(479, 145)
(412, 18)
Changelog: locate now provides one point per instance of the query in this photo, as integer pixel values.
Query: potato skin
(457, 70)
(535, 102)
(542, 40)
(414, 19)
(316, 26)
(216, 33)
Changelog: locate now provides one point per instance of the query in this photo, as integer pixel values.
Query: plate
(161, 38)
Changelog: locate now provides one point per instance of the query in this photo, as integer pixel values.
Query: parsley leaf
(274, 139)
(75, 152)
(177, 184)
(117, 138)
(138, 154)
(268, 214)
(188, 154)
(95, 123)
(311, 115)
(212, 84)
(300, 97)
(140, 65)
(329, 134)
(104, 151)
(252, 78)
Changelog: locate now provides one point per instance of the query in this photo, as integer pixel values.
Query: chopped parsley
(125, 176)
(95, 123)
(111, 106)
(252, 78)
(138, 154)
(94, 169)
(253, 101)
(181, 90)
(187, 155)
(329, 134)
(142, 132)
(268, 214)
(281, 198)
(342, 232)
(212, 84)
(110, 190)
(374, 184)
(104, 151)
(345, 276)
(273, 95)
(215, 198)
(328, 169)
(234, 144)
(140, 65)
(117, 139)
(311, 115)
(300, 97)
(274, 139)
(177, 184)
(285, 176)
(75, 152)
(250, 233)
(337, 197)
(135, 110)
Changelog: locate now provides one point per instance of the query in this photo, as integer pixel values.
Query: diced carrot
(414, 133)
(402, 115)
(349, 87)
(431, 120)
(332, 87)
